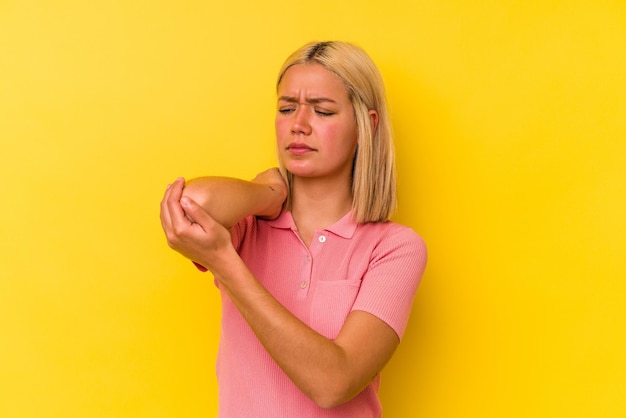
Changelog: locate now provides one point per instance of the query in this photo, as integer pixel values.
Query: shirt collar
(344, 227)
(284, 221)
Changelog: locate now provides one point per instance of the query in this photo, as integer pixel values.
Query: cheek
(342, 136)
(281, 126)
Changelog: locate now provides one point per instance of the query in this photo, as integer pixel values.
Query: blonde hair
(373, 176)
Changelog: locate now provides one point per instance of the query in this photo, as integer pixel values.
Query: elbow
(197, 191)
(328, 403)
(331, 395)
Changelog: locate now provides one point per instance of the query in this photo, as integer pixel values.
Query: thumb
(195, 213)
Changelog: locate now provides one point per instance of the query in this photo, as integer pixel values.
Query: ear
(373, 119)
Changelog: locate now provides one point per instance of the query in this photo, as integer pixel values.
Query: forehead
(311, 80)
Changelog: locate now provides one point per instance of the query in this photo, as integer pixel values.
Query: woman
(316, 282)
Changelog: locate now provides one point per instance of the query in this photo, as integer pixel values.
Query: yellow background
(511, 134)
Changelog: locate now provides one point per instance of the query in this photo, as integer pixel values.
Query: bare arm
(228, 200)
(330, 372)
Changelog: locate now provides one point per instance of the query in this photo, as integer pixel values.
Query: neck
(318, 203)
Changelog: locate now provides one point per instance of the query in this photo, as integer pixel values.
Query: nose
(301, 123)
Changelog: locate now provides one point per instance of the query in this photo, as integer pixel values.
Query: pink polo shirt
(374, 267)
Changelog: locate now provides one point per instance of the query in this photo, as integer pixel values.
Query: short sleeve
(242, 228)
(394, 273)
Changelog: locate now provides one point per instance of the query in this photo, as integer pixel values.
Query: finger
(196, 212)
(166, 221)
(163, 212)
(177, 215)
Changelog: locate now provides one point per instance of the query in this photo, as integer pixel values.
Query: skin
(330, 372)
(316, 136)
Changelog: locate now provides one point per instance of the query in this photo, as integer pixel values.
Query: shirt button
(303, 285)
(322, 238)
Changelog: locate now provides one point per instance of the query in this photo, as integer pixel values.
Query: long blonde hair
(374, 174)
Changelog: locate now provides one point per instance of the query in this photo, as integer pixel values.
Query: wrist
(219, 261)
(229, 266)
(274, 198)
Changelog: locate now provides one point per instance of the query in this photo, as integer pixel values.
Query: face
(316, 130)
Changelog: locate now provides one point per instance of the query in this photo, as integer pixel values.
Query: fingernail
(184, 201)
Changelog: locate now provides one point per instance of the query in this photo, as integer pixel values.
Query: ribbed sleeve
(389, 285)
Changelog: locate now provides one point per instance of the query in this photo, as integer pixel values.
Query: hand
(191, 231)
(275, 181)
(271, 177)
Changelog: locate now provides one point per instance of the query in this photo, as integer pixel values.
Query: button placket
(305, 276)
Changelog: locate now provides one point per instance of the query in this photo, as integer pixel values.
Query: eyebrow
(313, 100)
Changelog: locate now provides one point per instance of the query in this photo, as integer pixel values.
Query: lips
(299, 148)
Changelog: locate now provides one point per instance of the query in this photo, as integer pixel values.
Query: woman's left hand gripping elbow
(191, 231)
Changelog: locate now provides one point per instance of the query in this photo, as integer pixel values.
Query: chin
(300, 170)
(302, 173)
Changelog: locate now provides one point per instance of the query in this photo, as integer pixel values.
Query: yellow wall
(511, 132)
